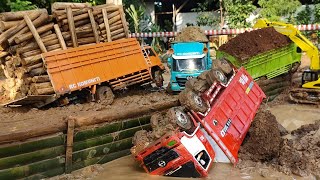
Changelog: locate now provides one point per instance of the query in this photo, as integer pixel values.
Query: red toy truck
(217, 134)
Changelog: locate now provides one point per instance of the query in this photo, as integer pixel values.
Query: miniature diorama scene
(166, 90)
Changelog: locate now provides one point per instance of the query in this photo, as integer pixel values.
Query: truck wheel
(223, 65)
(180, 118)
(191, 100)
(158, 79)
(105, 95)
(216, 75)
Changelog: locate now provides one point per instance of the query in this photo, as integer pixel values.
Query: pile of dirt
(191, 33)
(299, 154)
(249, 44)
(263, 139)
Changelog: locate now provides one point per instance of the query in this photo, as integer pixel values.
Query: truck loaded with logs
(93, 72)
(209, 127)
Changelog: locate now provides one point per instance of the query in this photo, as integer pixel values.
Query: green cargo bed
(270, 64)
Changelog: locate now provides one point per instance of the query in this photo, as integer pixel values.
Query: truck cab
(188, 60)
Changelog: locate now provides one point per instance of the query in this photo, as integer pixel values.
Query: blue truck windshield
(189, 64)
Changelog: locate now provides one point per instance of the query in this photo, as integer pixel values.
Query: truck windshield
(189, 64)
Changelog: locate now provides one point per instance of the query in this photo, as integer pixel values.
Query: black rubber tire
(216, 75)
(104, 95)
(223, 65)
(158, 79)
(180, 118)
(191, 100)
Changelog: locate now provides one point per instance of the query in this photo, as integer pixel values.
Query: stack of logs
(25, 35)
(81, 24)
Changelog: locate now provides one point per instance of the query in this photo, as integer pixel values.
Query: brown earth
(249, 44)
(262, 142)
(298, 154)
(191, 33)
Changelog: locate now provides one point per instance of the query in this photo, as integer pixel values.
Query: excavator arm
(295, 35)
(310, 91)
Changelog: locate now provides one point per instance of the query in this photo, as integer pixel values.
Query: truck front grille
(159, 158)
(181, 81)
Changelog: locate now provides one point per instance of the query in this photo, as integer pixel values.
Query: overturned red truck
(220, 116)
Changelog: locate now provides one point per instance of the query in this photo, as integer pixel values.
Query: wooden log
(82, 41)
(40, 79)
(32, 59)
(34, 46)
(70, 136)
(64, 5)
(10, 32)
(15, 16)
(116, 32)
(94, 27)
(116, 26)
(60, 38)
(37, 71)
(106, 24)
(29, 68)
(41, 85)
(29, 35)
(43, 18)
(74, 13)
(118, 36)
(31, 53)
(44, 91)
(5, 25)
(77, 18)
(124, 22)
(110, 15)
(49, 37)
(115, 19)
(76, 24)
(54, 47)
(72, 27)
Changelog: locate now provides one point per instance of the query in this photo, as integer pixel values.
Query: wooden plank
(106, 24)
(72, 27)
(124, 22)
(35, 33)
(70, 135)
(94, 27)
(60, 38)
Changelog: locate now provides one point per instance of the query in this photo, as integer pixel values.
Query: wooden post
(35, 33)
(70, 135)
(106, 24)
(124, 23)
(94, 27)
(72, 27)
(60, 38)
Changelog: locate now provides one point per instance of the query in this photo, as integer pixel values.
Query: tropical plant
(304, 16)
(135, 16)
(237, 12)
(20, 5)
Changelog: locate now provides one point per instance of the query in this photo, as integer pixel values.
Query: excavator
(309, 93)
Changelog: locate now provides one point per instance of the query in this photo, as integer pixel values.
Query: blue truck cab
(187, 60)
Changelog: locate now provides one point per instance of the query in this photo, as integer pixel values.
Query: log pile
(25, 35)
(81, 24)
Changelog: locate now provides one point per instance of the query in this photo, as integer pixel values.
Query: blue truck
(188, 60)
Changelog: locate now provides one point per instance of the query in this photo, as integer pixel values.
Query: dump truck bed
(270, 64)
(118, 63)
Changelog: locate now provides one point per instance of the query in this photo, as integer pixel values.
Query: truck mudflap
(231, 113)
(34, 100)
(178, 154)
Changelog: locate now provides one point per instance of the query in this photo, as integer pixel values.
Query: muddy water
(290, 116)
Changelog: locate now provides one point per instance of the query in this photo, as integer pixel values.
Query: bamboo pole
(94, 27)
(106, 24)
(60, 38)
(72, 27)
(70, 135)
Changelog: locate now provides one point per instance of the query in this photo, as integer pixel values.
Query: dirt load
(249, 44)
(263, 140)
(298, 154)
(191, 33)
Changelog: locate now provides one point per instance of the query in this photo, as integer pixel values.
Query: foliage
(304, 16)
(136, 16)
(20, 5)
(275, 9)
(237, 11)
(155, 44)
(205, 17)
